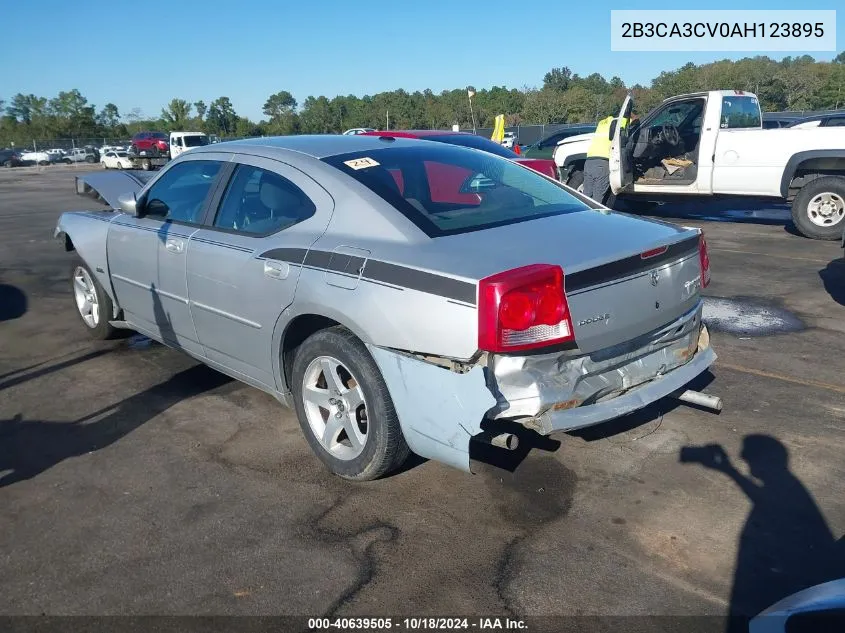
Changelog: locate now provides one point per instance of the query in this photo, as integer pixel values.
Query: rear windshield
(446, 190)
(195, 141)
(476, 142)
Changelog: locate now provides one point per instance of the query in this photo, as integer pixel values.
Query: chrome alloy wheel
(335, 407)
(86, 297)
(826, 209)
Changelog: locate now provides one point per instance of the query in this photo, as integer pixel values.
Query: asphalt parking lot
(134, 481)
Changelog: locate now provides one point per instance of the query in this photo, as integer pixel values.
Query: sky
(141, 54)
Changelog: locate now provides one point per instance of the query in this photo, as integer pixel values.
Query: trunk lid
(615, 292)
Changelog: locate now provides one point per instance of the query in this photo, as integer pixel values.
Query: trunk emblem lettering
(655, 277)
(596, 319)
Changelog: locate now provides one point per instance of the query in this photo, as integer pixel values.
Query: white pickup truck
(713, 143)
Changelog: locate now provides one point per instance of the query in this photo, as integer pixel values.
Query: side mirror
(129, 204)
(612, 131)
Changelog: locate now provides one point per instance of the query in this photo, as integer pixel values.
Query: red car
(543, 165)
(154, 142)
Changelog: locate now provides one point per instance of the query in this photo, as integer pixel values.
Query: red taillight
(522, 309)
(704, 258)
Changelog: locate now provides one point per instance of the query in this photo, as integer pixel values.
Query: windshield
(476, 142)
(195, 141)
(122, 154)
(446, 190)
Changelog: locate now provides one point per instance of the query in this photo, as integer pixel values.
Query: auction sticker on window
(360, 163)
(761, 31)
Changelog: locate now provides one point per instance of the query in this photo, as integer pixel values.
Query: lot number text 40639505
(417, 624)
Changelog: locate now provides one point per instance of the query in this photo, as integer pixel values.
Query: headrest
(274, 196)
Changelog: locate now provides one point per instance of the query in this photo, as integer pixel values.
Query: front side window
(740, 112)
(676, 113)
(446, 190)
(180, 193)
(836, 122)
(260, 202)
(196, 141)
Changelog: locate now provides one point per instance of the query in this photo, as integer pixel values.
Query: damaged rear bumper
(441, 410)
(567, 391)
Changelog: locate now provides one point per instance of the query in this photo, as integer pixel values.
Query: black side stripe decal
(378, 271)
(628, 266)
(420, 280)
(463, 291)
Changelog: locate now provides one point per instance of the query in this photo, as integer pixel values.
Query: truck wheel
(819, 208)
(67, 161)
(344, 407)
(8, 163)
(93, 305)
(576, 180)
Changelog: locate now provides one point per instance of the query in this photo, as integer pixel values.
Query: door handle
(276, 270)
(174, 245)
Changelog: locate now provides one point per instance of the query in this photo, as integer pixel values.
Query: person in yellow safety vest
(597, 165)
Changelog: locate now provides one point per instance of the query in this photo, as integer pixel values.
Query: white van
(181, 142)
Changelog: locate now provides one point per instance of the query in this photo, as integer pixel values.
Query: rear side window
(836, 122)
(446, 189)
(740, 112)
(260, 202)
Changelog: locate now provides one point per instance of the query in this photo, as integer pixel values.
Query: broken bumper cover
(441, 410)
(563, 392)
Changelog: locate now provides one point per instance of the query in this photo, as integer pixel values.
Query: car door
(148, 254)
(621, 168)
(239, 276)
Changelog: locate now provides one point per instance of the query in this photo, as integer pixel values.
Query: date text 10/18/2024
(416, 624)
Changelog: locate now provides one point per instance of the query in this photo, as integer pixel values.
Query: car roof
(314, 145)
(413, 133)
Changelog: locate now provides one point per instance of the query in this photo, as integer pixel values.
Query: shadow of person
(785, 544)
(833, 278)
(30, 447)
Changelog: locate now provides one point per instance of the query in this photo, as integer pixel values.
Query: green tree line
(794, 83)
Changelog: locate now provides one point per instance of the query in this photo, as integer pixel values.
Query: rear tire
(8, 164)
(93, 305)
(818, 210)
(354, 390)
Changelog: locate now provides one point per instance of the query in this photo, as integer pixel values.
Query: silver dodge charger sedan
(397, 293)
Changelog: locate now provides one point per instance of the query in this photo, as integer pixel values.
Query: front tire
(93, 305)
(344, 407)
(818, 210)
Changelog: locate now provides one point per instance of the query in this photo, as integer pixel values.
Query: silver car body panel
(439, 410)
(86, 232)
(229, 299)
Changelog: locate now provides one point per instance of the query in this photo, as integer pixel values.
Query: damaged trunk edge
(441, 403)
